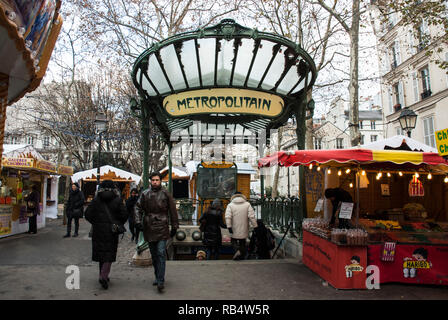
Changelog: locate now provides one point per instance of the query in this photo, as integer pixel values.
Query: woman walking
(33, 208)
(105, 210)
(75, 209)
(211, 224)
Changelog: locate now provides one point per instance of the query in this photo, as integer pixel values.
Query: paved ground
(34, 267)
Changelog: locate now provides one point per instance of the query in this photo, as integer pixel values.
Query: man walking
(239, 213)
(154, 210)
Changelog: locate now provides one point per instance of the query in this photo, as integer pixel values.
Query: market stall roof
(399, 142)
(91, 174)
(337, 157)
(21, 151)
(177, 172)
(186, 77)
(242, 168)
(28, 34)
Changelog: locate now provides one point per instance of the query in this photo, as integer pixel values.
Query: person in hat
(239, 213)
(104, 210)
(211, 224)
(201, 255)
(74, 208)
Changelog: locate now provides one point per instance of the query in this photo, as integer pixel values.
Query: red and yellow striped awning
(352, 156)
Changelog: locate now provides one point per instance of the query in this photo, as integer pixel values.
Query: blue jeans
(158, 254)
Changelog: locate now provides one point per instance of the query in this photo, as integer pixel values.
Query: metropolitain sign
(224, 101)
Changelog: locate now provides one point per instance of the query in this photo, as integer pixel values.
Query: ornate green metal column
(144, 118)
(170, 168)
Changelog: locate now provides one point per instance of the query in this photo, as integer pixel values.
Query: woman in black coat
(211, 224)
(75, 209)
(33, 208)
(130, 204)
(104, 242)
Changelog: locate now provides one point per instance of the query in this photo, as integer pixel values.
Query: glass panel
(207, 60)
(302, 83)
(261, 63)
(245, 54)
(189, 60)
(172, 67)
(157, 77)
(289, 81)
(216, 182)
(225, 57)
(276, 69)
(147, 86)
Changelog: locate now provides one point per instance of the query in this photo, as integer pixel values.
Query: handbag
(116, 228)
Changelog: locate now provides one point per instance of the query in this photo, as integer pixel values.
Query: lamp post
(100, 127)
(407, 120)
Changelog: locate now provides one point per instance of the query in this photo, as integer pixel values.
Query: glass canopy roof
(227, 55)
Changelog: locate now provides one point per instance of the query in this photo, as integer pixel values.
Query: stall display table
(342, 266)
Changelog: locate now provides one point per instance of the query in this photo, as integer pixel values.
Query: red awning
(351, 156)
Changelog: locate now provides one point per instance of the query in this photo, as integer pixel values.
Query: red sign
(344, 267)
(425, 264)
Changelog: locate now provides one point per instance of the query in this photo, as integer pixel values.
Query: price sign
(319, 205)
(346, 210)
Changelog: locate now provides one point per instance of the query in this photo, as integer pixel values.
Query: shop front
(18, 175)
(398, 217)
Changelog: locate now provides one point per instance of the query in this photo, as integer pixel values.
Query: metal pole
(170, 169)
(98, 162)
(145, 137)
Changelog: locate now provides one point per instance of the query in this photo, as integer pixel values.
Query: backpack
(270, 240)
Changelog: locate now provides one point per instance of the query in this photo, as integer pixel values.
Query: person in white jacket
(239, 214)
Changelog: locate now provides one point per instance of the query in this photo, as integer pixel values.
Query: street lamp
(100, 128)
(407, 120)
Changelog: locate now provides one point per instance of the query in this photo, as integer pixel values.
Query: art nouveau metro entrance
(227, 80)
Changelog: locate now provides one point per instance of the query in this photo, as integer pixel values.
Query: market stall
(399, 215)
(88, 179)
(23, 166)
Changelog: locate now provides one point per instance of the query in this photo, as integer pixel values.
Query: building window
(14, 140)
(395, 53)
(46, 142)
(422, 34)
(360, 125)
(373, 138)
(339, 143)
(428, 127)
(362, 139)
(399, 131)
(317, 143)
(372, 124)
(29, 140)
(426, 85)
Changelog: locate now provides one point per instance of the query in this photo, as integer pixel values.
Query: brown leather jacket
(158, 209)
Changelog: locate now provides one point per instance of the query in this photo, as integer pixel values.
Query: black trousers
(32, 224)
(69, 224)
(239, 244)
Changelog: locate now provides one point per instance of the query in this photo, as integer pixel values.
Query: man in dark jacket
(33, 208)
(104, 210)
(154, 210)
(262, 241)
(130, 204)
(337, 196)
(75, 209)
(211, 224)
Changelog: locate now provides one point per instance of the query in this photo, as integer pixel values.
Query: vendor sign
(227, 101)
(64, 170)
(18, 162)
(425, 264)
(442, 142)
(46, 166)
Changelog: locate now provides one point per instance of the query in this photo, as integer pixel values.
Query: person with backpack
(239, 214)
(262, 241)
(211, 224)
